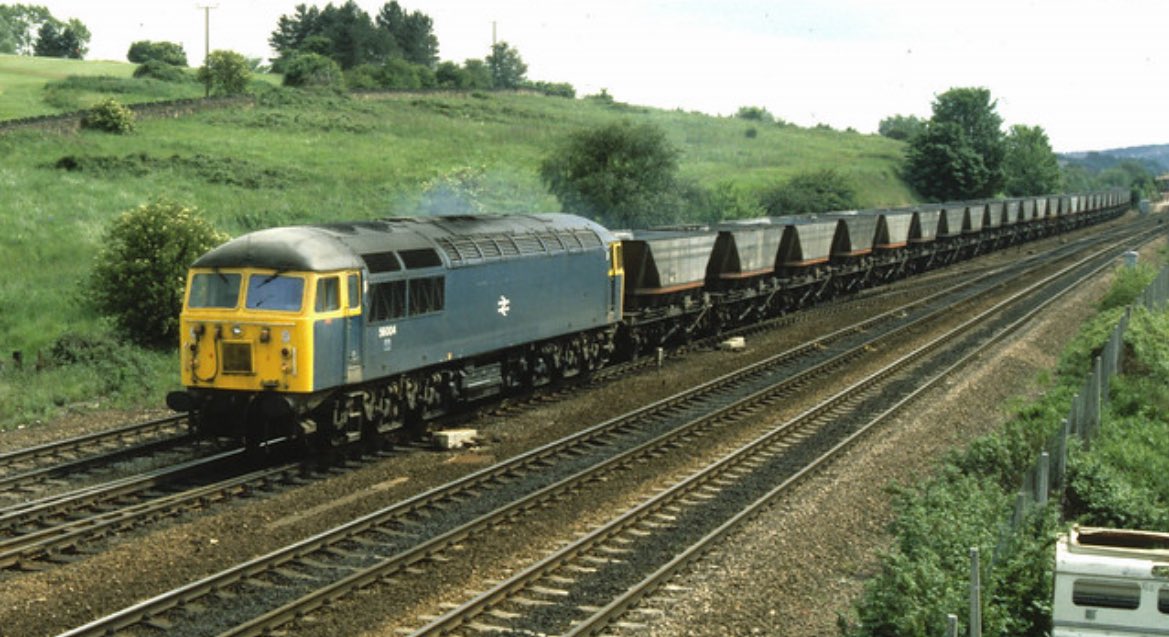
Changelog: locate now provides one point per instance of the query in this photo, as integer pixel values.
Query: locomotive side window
(354, 291)
(328, 294)
(1163, 600)
(427, 295)
(275, 292)
(387, 300)
(1106, 594)
(214, 289)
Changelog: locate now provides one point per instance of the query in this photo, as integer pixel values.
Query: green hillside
(297, 158)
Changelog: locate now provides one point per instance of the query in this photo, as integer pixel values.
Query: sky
(1094, 74)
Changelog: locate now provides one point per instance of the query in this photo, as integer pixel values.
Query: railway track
(587, 585)
(64, 526)
(58, 528)
(386, 544)
(97, 447)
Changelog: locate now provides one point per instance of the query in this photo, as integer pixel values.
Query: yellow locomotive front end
(246, 330)
(270, 328)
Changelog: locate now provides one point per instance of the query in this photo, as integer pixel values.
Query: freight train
(346, 332)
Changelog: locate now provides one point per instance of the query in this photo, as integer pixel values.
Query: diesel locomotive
(348, 332)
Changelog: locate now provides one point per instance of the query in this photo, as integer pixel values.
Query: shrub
(818, 191)
(225, 73)
(159, 70)
(364, 77)
(110, 116)
(552, 89)
(140, 271)
(755, 114)
(312, 70)
(144, 51)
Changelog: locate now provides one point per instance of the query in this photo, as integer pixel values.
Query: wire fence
(1046, 479)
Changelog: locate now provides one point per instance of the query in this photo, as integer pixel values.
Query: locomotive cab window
(354, 291)
(275, 292)
(328, 294)
(214, 289)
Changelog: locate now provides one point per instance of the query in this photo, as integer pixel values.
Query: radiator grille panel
(237, 358)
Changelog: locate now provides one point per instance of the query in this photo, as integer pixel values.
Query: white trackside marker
(504, 305)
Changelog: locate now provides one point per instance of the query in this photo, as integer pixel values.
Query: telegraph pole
(207, 45)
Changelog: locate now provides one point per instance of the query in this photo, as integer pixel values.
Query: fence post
(1061, 458)
(1041, 484)
(951, 626)
(1094, 414)
(975, 594)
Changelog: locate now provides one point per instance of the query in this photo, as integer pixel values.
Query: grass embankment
(298, 158)
(1122, 480)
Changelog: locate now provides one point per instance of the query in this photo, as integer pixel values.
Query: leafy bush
(364, 77)
(144, 51)
(1121, 480)
(755, 114)
(1128, 286)
(553, 89)
(721, 202)
(159, 70)
(312, 70)
(110, 116)
(400, 74)
(225, 73)
(622, 174)
(140, 271)
(818, 191)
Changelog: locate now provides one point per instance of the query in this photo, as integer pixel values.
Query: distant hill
(1155, 158)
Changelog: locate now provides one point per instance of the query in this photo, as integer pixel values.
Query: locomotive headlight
(265, 335)
(236, 331)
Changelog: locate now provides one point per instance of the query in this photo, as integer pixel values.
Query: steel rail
(748, 453)
(535, 458)
(388, 567)
(606, 615)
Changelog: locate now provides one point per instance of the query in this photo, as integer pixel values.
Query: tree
(312, 69)
(960, 153)
(902, 127)
(619, 174)
(350, 37)
(140, 272)
(412, 34)
(144, 51)
(507, 68)
(62, 40)
(225, 73)
(941, 166)
(818, 191)
(345, 33)
(478, 75)
(19, 24)
(1029, 166)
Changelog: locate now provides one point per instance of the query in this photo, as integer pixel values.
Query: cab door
(616, 280)
(354, 328)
